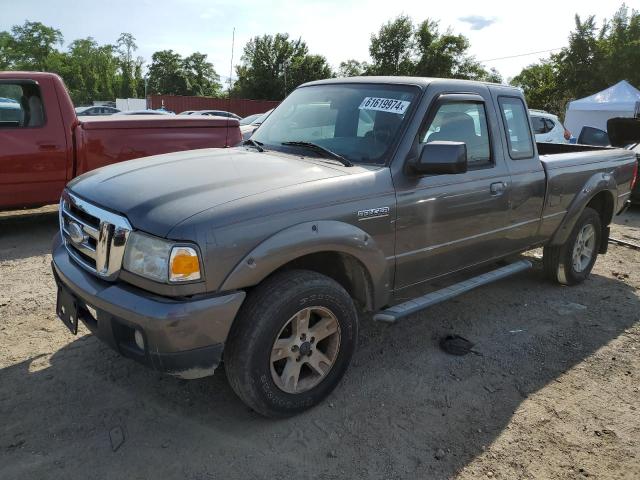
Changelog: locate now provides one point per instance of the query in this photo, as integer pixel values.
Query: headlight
(160, 260)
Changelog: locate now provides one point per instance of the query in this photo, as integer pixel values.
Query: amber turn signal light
(184, 265)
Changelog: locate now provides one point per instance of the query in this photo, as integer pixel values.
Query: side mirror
(442, 157)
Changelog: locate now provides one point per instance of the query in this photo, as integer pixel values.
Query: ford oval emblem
(76, 234)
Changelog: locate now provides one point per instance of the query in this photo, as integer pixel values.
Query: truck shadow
(24, 235)
(401, 402)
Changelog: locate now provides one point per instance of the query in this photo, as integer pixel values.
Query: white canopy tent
(619, 100)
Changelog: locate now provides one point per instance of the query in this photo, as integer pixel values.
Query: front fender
(312, 237)
(599, 182)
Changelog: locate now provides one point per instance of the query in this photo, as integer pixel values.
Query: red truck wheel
(571, 263)
(291, 343)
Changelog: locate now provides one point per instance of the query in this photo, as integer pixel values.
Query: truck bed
(573, 171)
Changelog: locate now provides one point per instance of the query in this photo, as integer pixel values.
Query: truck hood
(156, 193)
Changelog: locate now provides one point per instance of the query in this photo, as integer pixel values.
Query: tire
(264, 375)
(560, 264)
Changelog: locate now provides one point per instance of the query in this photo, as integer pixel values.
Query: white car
(548, 127)
(247, 129)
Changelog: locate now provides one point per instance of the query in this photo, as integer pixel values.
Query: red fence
(239, 106)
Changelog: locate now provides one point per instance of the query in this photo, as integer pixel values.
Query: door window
(21, 105)
(462, 122)
(517, 128)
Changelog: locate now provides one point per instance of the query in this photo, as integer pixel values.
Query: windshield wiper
(254, 143)
(321, 149)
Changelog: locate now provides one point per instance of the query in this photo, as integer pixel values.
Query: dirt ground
(552, 393)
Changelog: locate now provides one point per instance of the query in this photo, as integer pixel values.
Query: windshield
(357, 121)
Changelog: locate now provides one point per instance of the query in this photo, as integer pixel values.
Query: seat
(36, 112)
(460, 127)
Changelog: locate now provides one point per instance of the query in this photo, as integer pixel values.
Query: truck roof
(421, 82)
(23, 75)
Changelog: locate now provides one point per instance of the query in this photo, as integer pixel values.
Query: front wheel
(291, 343)
(571, 262)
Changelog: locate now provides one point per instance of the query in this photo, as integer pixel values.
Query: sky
(338, 29)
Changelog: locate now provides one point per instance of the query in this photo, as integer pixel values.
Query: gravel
(552, 394)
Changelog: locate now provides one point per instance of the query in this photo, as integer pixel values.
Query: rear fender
(307, 238)
(599, 182)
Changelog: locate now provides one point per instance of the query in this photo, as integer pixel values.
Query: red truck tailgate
(101, 141)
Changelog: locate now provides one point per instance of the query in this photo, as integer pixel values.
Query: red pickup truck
(43, 144)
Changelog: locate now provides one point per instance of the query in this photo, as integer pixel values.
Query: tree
(392, 48)
(139, 81)
(579, 66)
(104, 72)
(166, 75)
(401, 48)
(90, 71)
(273, 65)
(170, 74)
(538, 82)
(594, 59)
(201, 76)
(352, 68)
(126, 46)
(5, 60)
(32, 46)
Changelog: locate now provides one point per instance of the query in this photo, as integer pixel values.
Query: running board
(393, 314)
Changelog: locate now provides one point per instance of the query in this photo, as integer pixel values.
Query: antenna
(233, 41)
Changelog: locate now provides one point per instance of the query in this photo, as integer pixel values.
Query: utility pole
(146, 99)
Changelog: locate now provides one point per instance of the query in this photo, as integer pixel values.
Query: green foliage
(352, 68)
(594, 59)
(90, 71)
(540, 87)
(125, 48)
(104, 72)
(272, 66)
(166, 75)
(171, 74)
(392, 49)
(202, 77)
(32, 46)
(402, 48)
(5, 60)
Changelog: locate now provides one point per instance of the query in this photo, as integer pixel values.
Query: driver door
(451, 221)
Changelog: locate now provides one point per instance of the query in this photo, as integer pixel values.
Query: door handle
(497, 188)
(47, 147)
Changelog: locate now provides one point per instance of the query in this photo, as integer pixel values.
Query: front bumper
(182, 337)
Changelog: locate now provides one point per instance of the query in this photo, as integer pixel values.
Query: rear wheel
(291, 343)
(571, 262)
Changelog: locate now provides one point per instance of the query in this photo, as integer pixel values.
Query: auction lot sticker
(390, 105)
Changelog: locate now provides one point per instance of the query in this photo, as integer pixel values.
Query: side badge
(373, 213)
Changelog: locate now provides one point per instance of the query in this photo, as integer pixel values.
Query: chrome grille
(95, 238)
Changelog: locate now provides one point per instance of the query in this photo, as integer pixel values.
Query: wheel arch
(338, 250)
(600, 194)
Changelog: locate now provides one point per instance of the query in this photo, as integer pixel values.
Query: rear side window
(550, 124)
(517, 128)
(21, 105)
(538, 125)
(594, 136)
(466, 122)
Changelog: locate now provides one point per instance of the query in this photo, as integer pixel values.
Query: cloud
(478, 22)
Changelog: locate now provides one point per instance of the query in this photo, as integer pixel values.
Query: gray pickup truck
(355, 195)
